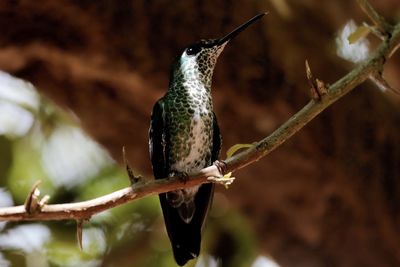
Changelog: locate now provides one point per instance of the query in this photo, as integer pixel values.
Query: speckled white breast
(200, 144)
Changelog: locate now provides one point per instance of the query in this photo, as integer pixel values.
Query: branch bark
(84, 210)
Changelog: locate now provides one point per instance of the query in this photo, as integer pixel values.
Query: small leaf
(229, 179)
(235, 148)
(358, 34)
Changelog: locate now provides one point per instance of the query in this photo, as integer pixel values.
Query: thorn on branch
(44, 201)
(322, 90)
(394, 50)
(32, 200)
(132, 177)
(317, 87)
(79, 231)
(383, 84)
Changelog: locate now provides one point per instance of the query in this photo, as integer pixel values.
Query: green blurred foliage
(129, 235)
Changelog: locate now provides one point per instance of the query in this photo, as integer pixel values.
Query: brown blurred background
(330, 196)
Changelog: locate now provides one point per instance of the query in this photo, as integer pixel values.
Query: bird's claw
(221, 166)
(182, 176)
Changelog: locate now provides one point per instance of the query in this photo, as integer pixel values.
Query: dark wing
(217, 140)
(158, 147)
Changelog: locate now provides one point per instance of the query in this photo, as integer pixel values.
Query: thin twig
(380, 22)
(334, 92)
(383, 84)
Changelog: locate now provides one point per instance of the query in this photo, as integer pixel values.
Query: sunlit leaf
(359, 33)
(233, 149)
(26, 170)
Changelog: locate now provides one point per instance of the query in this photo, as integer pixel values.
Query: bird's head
(198, 60)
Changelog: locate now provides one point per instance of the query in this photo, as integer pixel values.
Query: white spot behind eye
(188, 58)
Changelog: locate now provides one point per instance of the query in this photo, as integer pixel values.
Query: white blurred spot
(5, 201)
(36, 259)
(207, 261)
(18, 91)
(4, 262)
(28, 238)
(70, 157)
(355, 52)
(87, 263)
(263, 261)
(17, 97)
(77, 261)
(94, 240)
(130, 229)
(5, 198)
(104, 217)
(14, 120)
(122, 229)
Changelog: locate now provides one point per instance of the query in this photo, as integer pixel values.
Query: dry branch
(84, 210)
(384, 27)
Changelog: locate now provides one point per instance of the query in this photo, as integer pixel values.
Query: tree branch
(84, 210)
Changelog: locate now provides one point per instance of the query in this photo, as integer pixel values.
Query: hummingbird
(184, 138)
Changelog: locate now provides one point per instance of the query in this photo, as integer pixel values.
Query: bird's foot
(225, 178)
(182, 176)
(221, 166)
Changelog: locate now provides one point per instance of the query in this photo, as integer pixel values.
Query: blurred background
(330, 196)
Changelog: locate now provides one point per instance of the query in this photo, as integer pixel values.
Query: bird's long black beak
(238, 30)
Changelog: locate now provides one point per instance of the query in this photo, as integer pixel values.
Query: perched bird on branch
(184, 138)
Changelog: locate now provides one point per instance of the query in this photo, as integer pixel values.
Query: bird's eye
(193, 50)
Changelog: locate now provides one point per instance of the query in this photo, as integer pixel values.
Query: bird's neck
(189, 74)
(192, 89)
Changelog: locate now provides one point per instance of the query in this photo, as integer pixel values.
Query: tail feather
(186, 237)
(186, 211)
